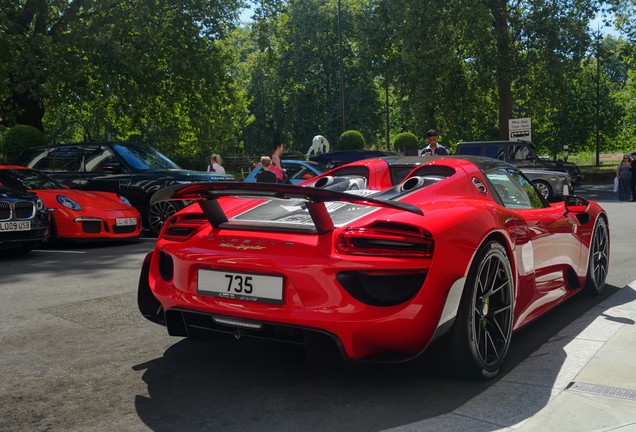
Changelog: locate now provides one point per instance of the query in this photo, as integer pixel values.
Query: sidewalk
(583, 379)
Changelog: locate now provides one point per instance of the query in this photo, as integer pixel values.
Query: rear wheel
(159, 213)
(481, 336)
(599, 258)
(544, 188)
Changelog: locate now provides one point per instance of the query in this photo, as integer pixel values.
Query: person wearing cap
(433, 147)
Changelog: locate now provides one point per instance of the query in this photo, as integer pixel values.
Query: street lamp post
(598, 98)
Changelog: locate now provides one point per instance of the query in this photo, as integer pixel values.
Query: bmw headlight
(68, 203)
(39, 205)
(124, 200)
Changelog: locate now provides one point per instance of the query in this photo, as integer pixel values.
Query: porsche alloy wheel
(599, 258)
(159, 213)
(481, 338)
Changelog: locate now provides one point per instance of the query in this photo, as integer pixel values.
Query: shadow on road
(251, 385)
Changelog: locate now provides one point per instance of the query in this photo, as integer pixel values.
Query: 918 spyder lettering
(239, 283)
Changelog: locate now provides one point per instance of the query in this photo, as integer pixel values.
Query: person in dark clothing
(624, 178)
(633, 185)
(433, 148)
(266, 175)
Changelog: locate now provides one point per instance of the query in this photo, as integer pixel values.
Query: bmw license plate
(241, 286)
(15, 226)
(125, 221)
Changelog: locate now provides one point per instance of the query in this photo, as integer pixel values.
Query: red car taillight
(182, 227)
(384, 242)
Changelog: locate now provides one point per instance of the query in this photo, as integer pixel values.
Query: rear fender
(148, 304)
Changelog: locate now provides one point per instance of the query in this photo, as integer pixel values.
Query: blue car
(297, 170)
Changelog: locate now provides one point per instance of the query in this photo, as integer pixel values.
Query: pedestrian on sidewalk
(633, 183)
(624, 175)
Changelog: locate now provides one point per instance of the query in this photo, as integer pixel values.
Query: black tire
(158, 214)
(544, 189)
(52, 230)
(598, 263)
(480, 338)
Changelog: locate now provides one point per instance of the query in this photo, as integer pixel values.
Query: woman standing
(624, 175)
(216, 164)
(278, 148)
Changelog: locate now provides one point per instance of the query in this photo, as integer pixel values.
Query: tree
(94, 69)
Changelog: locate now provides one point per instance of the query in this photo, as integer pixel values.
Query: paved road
(76, 355)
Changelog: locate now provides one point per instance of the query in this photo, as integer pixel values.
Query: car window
(28, 179)
(96, 159)
(142, 158)
(494, 151)
(294, 171)
(58, 159)
(318, 166)
(514, 190)
(470, 149)
(520, 152)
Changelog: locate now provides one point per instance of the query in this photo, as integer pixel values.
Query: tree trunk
(504, 64)
(30, 110)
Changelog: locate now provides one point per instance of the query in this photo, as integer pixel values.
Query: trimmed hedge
(19, 138)
(351, 140)
(406, 143)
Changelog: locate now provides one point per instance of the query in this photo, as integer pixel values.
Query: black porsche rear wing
(207, 194)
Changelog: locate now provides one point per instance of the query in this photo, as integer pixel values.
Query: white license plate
(241, 286)
(15, 226)
(125, 221)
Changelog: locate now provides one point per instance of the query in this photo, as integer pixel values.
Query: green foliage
(351, 140)
(181, 77)
(406, 142)
(19, 138)
(111, 70)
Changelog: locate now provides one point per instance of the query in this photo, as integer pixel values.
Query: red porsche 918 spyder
(77, 215)
(375, 260)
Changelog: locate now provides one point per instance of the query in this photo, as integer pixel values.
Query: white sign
(520, 129)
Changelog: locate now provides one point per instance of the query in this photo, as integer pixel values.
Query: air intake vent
(24, 210)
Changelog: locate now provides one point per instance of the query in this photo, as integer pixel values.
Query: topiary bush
(351, 140)
(406, 143)
(19, 138)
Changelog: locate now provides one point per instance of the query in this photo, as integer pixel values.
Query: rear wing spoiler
(207, 194)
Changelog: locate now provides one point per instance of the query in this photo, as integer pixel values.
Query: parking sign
(520, 129)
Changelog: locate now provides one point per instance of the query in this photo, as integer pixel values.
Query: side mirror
(576, 204)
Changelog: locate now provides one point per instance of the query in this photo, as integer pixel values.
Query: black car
(24, 221)
(341, 157)
(521, 154)
(134, 171)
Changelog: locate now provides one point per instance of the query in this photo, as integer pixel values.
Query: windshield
(27, 180)
(140, 157)
(319, 166)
